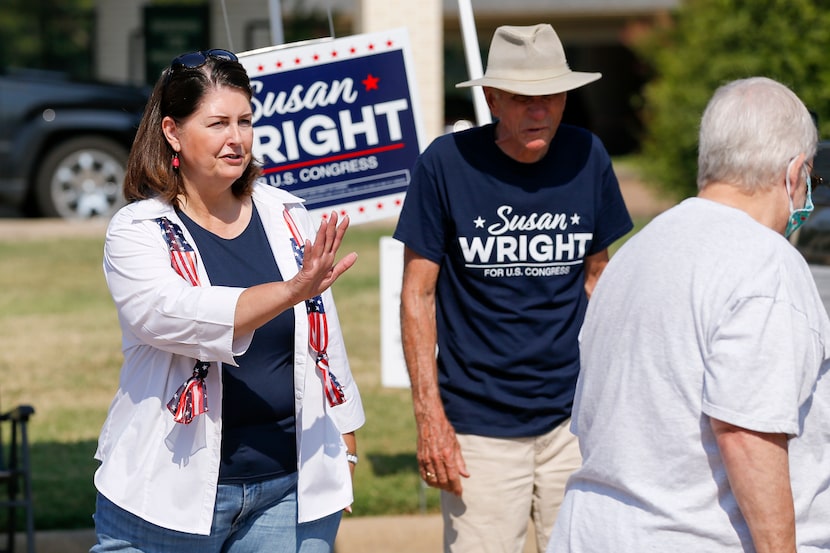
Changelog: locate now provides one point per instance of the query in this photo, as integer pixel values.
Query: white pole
(277, 36)
(473, 55)
(331, 23)
(227, 25)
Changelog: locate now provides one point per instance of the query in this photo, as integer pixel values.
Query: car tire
(81, 178)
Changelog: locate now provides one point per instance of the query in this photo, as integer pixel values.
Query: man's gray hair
(750, 130)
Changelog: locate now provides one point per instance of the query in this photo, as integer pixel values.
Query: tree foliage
(47, 34)
(707, 43)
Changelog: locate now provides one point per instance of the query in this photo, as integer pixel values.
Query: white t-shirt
(703, 313)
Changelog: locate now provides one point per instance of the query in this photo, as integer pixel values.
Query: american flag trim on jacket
(190, 400)
(318, 334)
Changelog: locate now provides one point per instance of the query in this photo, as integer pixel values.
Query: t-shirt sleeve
(420, 224)
(755, 374)
(613, 220)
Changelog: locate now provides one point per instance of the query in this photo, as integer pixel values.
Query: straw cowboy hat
(529, 61)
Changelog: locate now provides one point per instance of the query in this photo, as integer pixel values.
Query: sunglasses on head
(193, 60)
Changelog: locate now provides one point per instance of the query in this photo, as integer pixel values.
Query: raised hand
(319, 270)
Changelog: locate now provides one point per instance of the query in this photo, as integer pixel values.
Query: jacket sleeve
(156, 306)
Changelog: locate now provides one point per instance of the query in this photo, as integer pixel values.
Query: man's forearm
(439, 455)
(594, 265)
(418, 338)
(419, 333)
(757, 466)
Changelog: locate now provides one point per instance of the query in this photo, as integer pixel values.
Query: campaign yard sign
(337, 123)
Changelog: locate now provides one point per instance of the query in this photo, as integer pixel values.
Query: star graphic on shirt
(574, 219)
(370, 82)
(479, 223)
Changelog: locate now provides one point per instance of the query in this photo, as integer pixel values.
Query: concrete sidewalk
(386, 534)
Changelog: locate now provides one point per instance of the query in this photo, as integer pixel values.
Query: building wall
(120, 52)
(422, 19)
(593, 32)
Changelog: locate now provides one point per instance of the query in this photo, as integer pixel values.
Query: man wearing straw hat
(506, 229)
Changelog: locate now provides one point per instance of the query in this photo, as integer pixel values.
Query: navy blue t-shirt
(510, 239)
(258, 426)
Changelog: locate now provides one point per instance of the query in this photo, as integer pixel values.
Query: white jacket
(166, 472)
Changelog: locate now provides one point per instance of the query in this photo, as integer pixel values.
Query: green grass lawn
(60, 352)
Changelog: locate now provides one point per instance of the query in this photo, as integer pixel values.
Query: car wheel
(81, 178)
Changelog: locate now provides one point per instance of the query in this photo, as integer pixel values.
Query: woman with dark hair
(233, 425)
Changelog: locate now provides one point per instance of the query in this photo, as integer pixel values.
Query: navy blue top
(258, 427)
(510, 239)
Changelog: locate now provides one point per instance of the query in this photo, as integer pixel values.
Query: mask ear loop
(807, 200)
(797, 216)
(789, 186)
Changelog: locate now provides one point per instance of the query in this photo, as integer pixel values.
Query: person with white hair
(506, 229)
(702, 405)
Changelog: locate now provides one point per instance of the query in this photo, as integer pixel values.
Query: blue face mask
(798, 216)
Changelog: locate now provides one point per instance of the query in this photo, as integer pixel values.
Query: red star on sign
(370, 82)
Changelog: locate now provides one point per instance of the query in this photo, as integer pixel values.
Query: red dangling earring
(175, 161)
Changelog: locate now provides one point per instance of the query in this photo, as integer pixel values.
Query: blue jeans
(248, 518)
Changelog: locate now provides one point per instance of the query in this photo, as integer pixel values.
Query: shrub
(707, 43)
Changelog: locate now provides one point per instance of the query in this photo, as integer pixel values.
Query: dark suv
(64, 144)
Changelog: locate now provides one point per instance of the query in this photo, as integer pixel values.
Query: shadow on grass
(64, 492)
(64, 495)
(398, 488)
(398, 463)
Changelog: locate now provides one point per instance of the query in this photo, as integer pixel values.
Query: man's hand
(439, 455)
